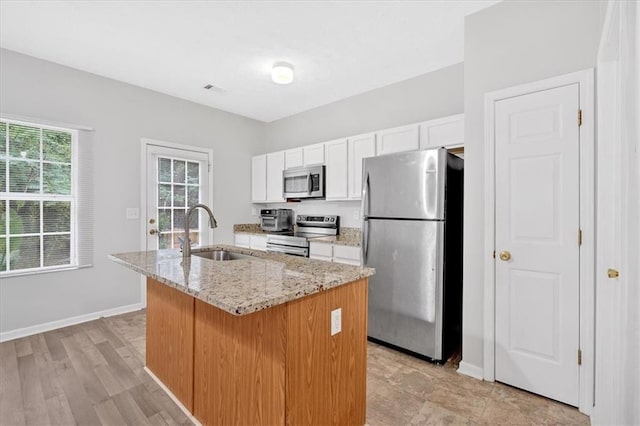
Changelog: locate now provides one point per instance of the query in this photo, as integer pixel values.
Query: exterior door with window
(537, 222)
(176, 180)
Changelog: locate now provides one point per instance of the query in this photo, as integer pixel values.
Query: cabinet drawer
(243, 240)
(320, 249)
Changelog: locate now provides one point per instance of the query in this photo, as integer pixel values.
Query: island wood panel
(240, 366)
(169, 353)
(326, 375)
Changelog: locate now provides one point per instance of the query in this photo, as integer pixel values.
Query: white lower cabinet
(258, 242)
(254, 242)
(243, 240)
(346, 254)
(321, 251)
(335, 253)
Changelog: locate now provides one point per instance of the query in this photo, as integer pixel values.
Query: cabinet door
(313, 154)
(275, 166)
(444, 132)
(258, 242)
(243, 240)
(337, 165)
(259, 178)
(293, 158)
(360, 147)
(399, 139)
(346, 254)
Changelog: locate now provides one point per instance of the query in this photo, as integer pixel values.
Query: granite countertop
(242, 286)
(347, 236)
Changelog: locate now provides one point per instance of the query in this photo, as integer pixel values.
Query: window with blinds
(39, 203)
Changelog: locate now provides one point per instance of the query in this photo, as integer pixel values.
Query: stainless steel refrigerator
(412, 206)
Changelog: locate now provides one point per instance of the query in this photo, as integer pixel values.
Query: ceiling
(339, 49)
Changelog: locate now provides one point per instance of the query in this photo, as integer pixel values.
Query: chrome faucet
(186, 244)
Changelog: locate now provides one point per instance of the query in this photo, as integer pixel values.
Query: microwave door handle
(309, 183)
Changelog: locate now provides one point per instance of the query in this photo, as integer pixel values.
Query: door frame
(585, 80)
(145, 143)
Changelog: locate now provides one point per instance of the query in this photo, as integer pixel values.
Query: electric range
(308, 227)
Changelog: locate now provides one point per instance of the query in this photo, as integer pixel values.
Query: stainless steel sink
(221, 255)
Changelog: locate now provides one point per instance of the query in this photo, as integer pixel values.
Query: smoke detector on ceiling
(214, 88)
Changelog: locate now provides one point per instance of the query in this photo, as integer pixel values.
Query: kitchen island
(251, 341)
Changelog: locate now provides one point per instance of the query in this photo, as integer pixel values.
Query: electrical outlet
(254, 211)
(336, 321)
(356, 214)
(133, 213)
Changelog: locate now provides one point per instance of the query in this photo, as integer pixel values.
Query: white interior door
(537, 225)
(176, 180)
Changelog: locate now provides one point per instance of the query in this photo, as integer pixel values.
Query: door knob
(505, 255)
(153, 231)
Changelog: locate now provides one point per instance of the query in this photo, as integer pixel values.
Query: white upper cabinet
(275, 166)
(258, 179)
(447, 132)
(398, 139)
(313, 154)
(360, 147)
(337, 169)
(293, 158)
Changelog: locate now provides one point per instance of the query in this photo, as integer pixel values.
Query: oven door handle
(309, 183)
(296, 251)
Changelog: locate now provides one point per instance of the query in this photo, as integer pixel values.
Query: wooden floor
(92, 374)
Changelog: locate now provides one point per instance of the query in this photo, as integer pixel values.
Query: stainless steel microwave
(303, 182)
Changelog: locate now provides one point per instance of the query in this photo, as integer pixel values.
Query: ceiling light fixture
(282, 73)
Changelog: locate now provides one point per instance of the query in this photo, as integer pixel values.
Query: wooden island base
(273, 367)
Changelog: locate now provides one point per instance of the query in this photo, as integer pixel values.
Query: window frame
(42, 197)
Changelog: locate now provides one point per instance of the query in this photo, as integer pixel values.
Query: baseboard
(471, 370)
(48, 326)
(184, 409)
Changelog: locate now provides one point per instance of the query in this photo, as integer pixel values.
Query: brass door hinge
(579, 356)
(494, 254)
(579, 117)
(579, 237)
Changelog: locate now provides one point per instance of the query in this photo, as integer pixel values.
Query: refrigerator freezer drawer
(405, 294)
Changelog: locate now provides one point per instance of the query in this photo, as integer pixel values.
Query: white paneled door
(176, 180)
(537, 226)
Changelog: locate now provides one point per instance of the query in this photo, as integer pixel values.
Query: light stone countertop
(242, 286)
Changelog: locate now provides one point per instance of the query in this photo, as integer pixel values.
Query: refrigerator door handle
(364, 213)
(364, 246)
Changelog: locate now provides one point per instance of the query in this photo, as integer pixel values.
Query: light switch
(133, 213)
(336, 321)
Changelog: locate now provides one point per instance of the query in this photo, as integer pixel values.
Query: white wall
(432, 95)
(510, 43)
(121, 115)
